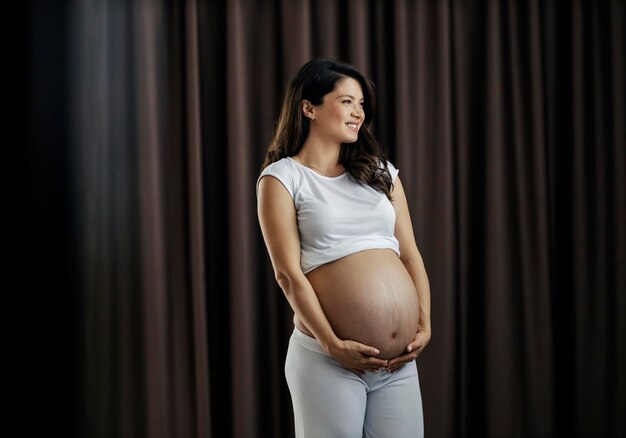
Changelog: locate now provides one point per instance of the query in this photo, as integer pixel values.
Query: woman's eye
(346, 101)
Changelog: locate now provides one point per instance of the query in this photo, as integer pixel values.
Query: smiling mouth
(353, 126)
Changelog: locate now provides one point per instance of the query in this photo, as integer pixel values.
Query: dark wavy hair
(361, 159)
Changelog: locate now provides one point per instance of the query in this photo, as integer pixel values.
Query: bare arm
(414, 264)
(277, 217)
(410, 255)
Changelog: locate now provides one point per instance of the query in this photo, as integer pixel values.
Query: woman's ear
(308, 110)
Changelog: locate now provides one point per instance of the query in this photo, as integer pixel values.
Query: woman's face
(340, 115)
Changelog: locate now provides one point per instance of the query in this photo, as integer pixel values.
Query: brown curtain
(135, 103)
(505, 118)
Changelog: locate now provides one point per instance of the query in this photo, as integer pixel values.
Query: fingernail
(409, 349)
(376, 352)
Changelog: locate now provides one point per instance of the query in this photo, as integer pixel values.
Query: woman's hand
(357, 357)
(413, 350)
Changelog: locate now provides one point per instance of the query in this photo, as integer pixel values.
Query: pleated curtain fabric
(507, 122)
(138, 156)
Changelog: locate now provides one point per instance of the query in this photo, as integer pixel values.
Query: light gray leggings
(330, 401)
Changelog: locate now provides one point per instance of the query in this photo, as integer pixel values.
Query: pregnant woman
(336, 224)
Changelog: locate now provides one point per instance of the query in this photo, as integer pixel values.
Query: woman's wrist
(330, 344)
(424, 328)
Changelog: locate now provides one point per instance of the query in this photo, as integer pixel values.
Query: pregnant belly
(368, 297)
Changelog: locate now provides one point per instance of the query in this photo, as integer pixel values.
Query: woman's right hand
(357, 357)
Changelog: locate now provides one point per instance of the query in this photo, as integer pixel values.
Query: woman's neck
(322, 156)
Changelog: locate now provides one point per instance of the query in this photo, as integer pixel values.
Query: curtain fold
(196, 231)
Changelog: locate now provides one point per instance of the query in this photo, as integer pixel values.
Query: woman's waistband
(308, 341)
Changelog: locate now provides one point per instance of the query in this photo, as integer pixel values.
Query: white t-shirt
(337, 216)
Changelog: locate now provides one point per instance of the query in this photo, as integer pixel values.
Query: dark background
(42, 304)
(140, 299)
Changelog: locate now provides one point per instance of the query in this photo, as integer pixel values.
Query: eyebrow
(347, 95)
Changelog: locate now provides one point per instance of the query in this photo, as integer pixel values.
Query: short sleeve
(282, 172)
(392, 170)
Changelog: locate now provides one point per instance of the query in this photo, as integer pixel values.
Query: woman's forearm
(304, 302)
(417, 271)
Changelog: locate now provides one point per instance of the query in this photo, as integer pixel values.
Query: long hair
(364, 160)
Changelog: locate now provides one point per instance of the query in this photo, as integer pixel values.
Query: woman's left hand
(413, 350)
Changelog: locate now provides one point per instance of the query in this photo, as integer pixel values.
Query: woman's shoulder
(283, 165)
(283, 170)
(393, 170)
